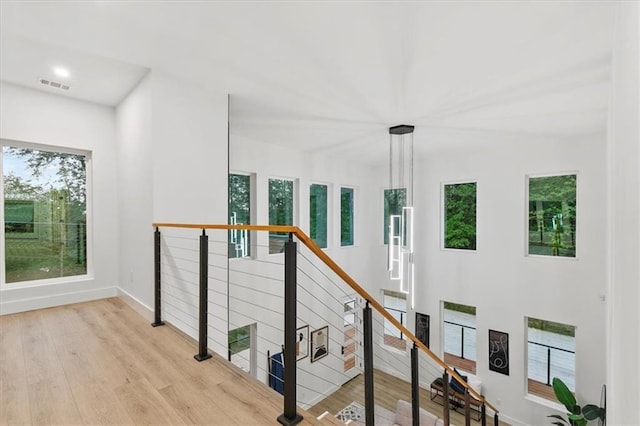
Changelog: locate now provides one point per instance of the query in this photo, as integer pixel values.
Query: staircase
(304, 306)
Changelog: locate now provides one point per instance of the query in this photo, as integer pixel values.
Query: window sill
(47, 281)
(455, 250)
(392, 349)
(543, 256)
(545, 402)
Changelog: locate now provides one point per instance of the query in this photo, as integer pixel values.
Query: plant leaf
(576, 409)
(555, 416)
(575, 417)
(563, 394)
(591, 412)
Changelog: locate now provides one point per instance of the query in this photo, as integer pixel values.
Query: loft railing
(290, 415)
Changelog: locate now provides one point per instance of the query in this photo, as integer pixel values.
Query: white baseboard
(49, 301)
(145, 311)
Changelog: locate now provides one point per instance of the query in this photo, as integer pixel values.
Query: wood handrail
(311, 245)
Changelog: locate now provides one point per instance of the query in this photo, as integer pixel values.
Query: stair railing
(290, 415)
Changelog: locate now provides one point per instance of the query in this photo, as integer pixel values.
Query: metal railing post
(290, 416)
(445, 398)
(548, 366)
(483, 411)
(157, 279)
(415, 386)
(467, 408)
(368, 366)
(462, 343)
(496, 422)
(204, 299)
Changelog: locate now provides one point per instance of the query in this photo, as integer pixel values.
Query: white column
(623, 375)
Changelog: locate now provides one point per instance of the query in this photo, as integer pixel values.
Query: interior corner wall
(624, 222)
(499, 279)
(33, 116)
(172, 137)
(256, 299)
(135, 190)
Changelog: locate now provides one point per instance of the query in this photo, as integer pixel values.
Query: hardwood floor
(388, 390)
(101, 363)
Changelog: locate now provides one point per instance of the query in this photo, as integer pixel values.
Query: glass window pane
(552, 216)
(394, 201)
(460, 336)
(396, 304)
(318, 214)
(346, 216)
(280, 211)
(45, 214)
(460, 216)
(240, 214)
(550, 353)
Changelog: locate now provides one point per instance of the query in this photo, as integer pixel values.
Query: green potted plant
(576, 416)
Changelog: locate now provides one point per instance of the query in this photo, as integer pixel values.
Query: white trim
(49, 301)
(145, 311)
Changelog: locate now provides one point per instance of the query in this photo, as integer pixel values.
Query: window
(45, 214)
(396, 304)
(240, 214)
(239, 347)
(460, 336)
(394, 201)
(280, 211)
(460, 216)
(318, 214)
(552, 215)
(346, 216)
(550, 353)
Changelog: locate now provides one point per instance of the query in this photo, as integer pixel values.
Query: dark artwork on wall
(422, 328)
(499, 352)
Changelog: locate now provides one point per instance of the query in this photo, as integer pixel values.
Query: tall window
(460, 336)
(394, 201)
(45, 213)
(318, 214)
(552, 215)
(240, 214)
(551, 352)
(280, 211)
(460, 216)
(346, 216)
(396, 304)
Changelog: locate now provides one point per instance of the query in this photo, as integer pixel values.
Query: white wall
(172, 148)
(33, 116)
(248, 306)
(498, 278)
(624, 227)
(135, 189)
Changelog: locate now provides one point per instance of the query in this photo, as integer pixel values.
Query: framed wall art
(302, 342)
(319, 343)
(499, 352)
(422, 328)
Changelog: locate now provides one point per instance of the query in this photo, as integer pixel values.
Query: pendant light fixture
(401, 208)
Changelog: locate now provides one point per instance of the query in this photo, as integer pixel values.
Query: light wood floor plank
(101, 363)
(145, 405)
(14, 409)
(50, 398)
(92, 374)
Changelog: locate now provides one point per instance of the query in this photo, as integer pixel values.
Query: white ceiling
(333, 76)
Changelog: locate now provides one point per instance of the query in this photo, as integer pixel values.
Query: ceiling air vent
(54, 84)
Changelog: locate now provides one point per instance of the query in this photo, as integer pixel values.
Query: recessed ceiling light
(61, 72)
